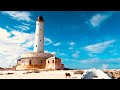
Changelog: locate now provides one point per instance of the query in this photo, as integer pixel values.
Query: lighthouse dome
(40, 18)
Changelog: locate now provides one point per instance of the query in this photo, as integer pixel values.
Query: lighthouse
(39, 35)
(38, 59)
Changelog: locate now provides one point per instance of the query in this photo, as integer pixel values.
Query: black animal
(67, 75)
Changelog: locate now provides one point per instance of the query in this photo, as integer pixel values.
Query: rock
(27, 72)
(79, 72)
(36, 71)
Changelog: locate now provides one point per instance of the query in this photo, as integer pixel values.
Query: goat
(67, 75)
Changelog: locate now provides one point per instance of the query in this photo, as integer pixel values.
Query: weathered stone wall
(34, 61)
(26, 67)
(59, 66)
(57, 61)
(50, 63)
(39, 63)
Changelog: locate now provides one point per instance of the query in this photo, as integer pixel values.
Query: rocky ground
(115, 74)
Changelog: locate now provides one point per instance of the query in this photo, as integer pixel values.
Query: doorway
(30, 62)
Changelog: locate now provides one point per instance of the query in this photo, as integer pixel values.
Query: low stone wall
(59, 66)
(26, 67)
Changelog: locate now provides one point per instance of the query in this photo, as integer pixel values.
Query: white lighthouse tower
(39, 36)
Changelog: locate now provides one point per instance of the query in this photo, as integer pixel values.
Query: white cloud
(77, 51)
(99, 47)
(62, 54)
(46, 51)
(4, 33)
(104, 66)
(70, 48)
(101, 61)
(72, 43)
(53, 52)
(22, 27)
(112, 60)
(11, 47)
(113, 52)
(91, 60)
(98, 19)
(48, 41)
(59, 53)
(21, 37)
(18, 15)
(8, 28)
(76, 54)
(65, 59)
(91, 55)
(57, 44)
(26, 24)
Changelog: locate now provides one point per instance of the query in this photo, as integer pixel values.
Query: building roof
(57, 58)
(40, 18)
(36, 54)
(42, 55)
(35, 57)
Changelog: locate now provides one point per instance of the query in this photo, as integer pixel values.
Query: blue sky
(82, 39)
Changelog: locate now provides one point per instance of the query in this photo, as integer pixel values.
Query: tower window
(53, 61)
(48, 61)
(40, 40)
(36, 45)
(41, 61)
(30, 62)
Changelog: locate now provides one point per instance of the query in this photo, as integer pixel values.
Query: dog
(67, 75)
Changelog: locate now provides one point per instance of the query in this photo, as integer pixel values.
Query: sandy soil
(42, 75)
